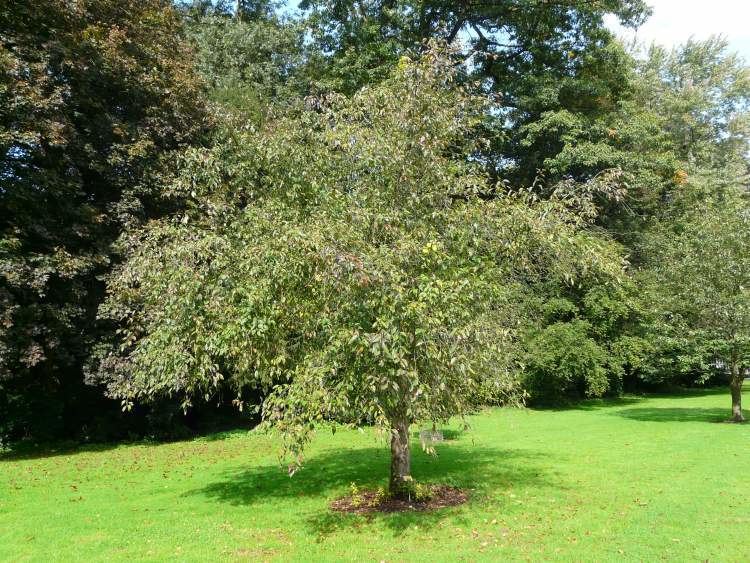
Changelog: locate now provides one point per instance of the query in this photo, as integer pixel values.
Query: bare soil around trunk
(368, 502)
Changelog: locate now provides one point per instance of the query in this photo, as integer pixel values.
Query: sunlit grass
(636, 479)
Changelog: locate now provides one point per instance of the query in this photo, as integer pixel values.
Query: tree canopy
(344, 258)
(700, 279)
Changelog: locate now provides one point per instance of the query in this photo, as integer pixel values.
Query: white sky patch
(674, 21)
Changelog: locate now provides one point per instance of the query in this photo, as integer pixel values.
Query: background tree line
(157, 160)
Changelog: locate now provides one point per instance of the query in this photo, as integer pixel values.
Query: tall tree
(700, 93)
(344, 259)
(94, 96)
(700, 280)
(541, 57)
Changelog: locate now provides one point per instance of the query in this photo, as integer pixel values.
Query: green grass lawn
(635, 479)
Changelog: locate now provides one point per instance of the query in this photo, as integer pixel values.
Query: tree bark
(400, 460)
(736, 387)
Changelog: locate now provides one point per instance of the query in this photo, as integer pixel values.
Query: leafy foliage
(545, 61)
(701, 280)
(95, 97)
(587, 344)
(343, 257)
(564, 361)
(702, 92)
(248, 62)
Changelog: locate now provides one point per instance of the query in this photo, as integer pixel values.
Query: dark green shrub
(564, 362)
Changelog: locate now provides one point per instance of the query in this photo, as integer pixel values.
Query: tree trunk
(736, 386)
(400, 460)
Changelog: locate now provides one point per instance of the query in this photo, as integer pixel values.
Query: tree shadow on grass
(37, 451)
(607, 403)
(31, 451)
(590, 404)
(328, 474)
(676, 414)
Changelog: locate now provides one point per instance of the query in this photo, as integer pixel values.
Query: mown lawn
(635, 479)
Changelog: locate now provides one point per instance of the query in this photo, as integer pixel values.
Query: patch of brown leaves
(368, 502)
